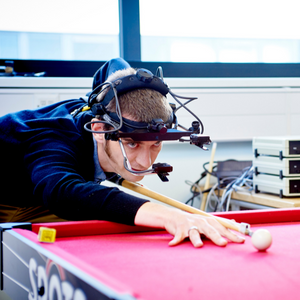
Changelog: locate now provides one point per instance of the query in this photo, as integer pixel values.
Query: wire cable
(225, 186)
(196, 190)
(110, 123)
(183, 105)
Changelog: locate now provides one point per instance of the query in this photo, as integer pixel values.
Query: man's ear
(99, 137)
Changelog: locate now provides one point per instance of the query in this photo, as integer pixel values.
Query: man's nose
(144, 158)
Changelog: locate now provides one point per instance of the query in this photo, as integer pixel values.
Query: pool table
(105, 260)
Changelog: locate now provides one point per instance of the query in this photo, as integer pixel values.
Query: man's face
(141, 156)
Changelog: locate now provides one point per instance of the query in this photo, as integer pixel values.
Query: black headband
(143, 79)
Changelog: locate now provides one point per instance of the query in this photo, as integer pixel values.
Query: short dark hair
(141, 105)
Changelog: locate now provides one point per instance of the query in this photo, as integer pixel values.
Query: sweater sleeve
(60, 164)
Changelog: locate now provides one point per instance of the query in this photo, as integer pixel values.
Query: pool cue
(207, 182)
(230, 224)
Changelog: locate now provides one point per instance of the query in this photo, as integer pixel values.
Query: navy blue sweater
(47, 159)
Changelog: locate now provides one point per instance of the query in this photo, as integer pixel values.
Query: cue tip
(245, 229)
(250, 233)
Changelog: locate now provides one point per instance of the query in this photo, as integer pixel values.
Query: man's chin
(132, 177)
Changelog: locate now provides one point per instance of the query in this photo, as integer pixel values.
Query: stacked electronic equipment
(276, 165)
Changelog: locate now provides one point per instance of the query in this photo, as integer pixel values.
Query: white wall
(233, 111)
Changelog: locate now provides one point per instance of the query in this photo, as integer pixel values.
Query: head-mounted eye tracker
(156, 130)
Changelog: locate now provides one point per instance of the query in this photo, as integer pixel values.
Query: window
(191, 38)
(59, 30)
(231, 31)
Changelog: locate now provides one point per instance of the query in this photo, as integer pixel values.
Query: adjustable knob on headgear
(144, 75)
(157, 125)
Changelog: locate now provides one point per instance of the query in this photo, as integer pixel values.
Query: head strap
(143, 79)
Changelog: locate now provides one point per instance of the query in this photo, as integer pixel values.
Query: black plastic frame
(205, 70)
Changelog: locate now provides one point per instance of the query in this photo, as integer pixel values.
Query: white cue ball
(261, 239)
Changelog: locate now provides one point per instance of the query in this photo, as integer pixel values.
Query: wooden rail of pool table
(138, 188)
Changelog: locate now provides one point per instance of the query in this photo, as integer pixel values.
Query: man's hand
(182, 225)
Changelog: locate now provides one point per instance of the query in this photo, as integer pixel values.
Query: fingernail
(199, 244)
(223, 241)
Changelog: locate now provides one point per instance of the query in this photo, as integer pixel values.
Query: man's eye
(132, 145)
(157, 143)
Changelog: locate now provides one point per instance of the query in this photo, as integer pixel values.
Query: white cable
(208, 199)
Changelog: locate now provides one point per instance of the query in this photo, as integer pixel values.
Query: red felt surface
(81, 228)
(144, 264)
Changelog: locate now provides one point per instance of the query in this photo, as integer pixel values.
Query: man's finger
(195, 237)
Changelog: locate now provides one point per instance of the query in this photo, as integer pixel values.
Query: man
(52, 165)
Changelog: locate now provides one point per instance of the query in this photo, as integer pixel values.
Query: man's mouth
(139, 170)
